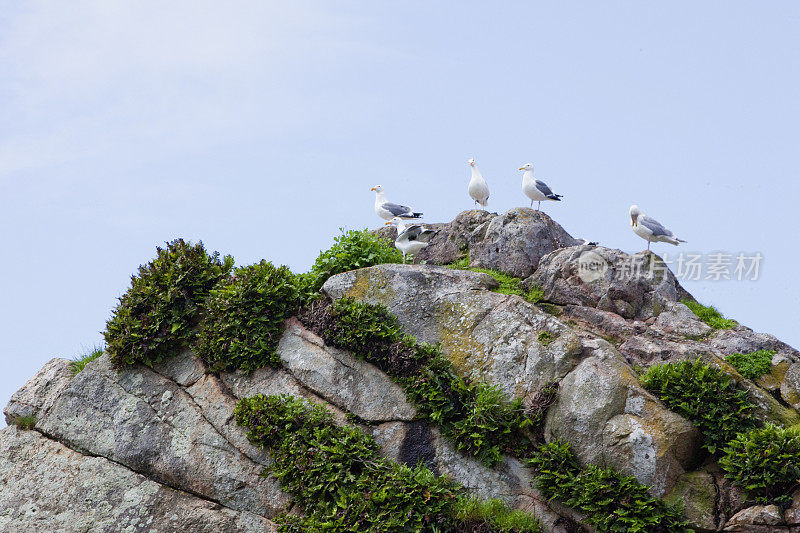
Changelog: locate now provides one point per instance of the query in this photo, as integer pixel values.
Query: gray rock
(349, 383)
(790, 386)
(696, 492)
(678, 319)
(451, 240)
(184, 368)
(48, 488)
(792, 514)
(741, 339)
(751, 518)
(632, 286)
(149, 424)
(515, 241)
(40, 392)
(649, 349)
(609, 419)
(488, 336)
(608, 325)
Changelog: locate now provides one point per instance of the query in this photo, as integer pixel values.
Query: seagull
(388, 210)
(409, 238)
(651, 229)
(534, 189)
(477, 188)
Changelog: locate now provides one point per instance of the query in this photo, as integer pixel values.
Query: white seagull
(477, 188)
(387, 210)
(534, 189)
(410, 239)
(651, 229)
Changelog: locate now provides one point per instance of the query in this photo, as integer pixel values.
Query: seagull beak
(521, 168)
(372, 189)
(387, 223)
(633, 221)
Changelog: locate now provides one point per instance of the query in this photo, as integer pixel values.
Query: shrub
(752, 365)
(336, 475)
(709, 315)
(475, 515)
(706, 396)
(157, 315)
(351, 250)
(476, 417)
(508, 284)
(245, 316)
(24, 421)
(611, 501)
(765, 462)
(80, 362)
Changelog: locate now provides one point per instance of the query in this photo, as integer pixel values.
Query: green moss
(765, 462)
(80, 362)
(545, 338)
(752, 365)
(336, 476)
(704, 395)
(709, 315)
(157, 316)
(494, 515)
(508, 284)
(245, 316)
(611, 501)
(25, 421)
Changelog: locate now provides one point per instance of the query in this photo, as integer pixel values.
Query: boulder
(40, 392)
(609, 419)
(632, 286)
(515, 241)
(696, 492)
(488, 336)
(47, 487)
(757, 519)
(790, 386)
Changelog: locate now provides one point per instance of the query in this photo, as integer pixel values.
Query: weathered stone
(451, 240)
(792, 514)
(149, 424)
(349, 383)
(790, 386)
(515, 241)
(609, 419)
(697, 493)
(741, 339)
(758, 515)
(632, 286)
(678, 319)
(47, 487)
(486, 335)
(184, 368)
(608, 325)
(40, 392)
(649, 349)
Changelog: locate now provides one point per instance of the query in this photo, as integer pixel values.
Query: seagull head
(471, 161)
(398, 222)
(527, 166)
(635, 212)
(377, 188)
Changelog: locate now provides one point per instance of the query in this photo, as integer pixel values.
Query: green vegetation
(474, 515)
(709, 315)
(475, 416)
(351, 250)
(158, 314)
(245, 316)
(765, 462)
(80, 362)
(611, 501)
(337, 477)
(24, 421)
(752, 365)
(704, 395)
(545, 338)
(508, 284)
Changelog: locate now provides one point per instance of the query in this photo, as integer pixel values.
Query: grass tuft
(80, 362)
(709, 315)
(508, 284)
(474, 514)
(25, 421)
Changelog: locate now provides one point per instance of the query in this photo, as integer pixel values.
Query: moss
(375, 284)
(24, 421)
(454, 329)
(507, 284)
(545, 338)
(752, 365)
(550, 309)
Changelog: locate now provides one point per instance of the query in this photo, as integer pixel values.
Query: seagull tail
(416, 215)
(556, 197)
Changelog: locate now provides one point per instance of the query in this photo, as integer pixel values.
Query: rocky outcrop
(143, 449)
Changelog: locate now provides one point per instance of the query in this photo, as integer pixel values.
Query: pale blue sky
(260, 128)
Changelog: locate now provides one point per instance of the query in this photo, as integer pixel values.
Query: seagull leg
(539, 207)
(648, 246)
(531, 203)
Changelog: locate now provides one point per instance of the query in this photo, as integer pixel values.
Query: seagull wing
(396, 209)
(655, 226)
(543, 188)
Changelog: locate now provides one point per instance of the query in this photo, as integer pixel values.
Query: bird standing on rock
(410, 239)
(477, 188)
(387, 210)
(651, 229)
(534, 189)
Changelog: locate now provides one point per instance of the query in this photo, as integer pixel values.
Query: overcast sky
(259, 127)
